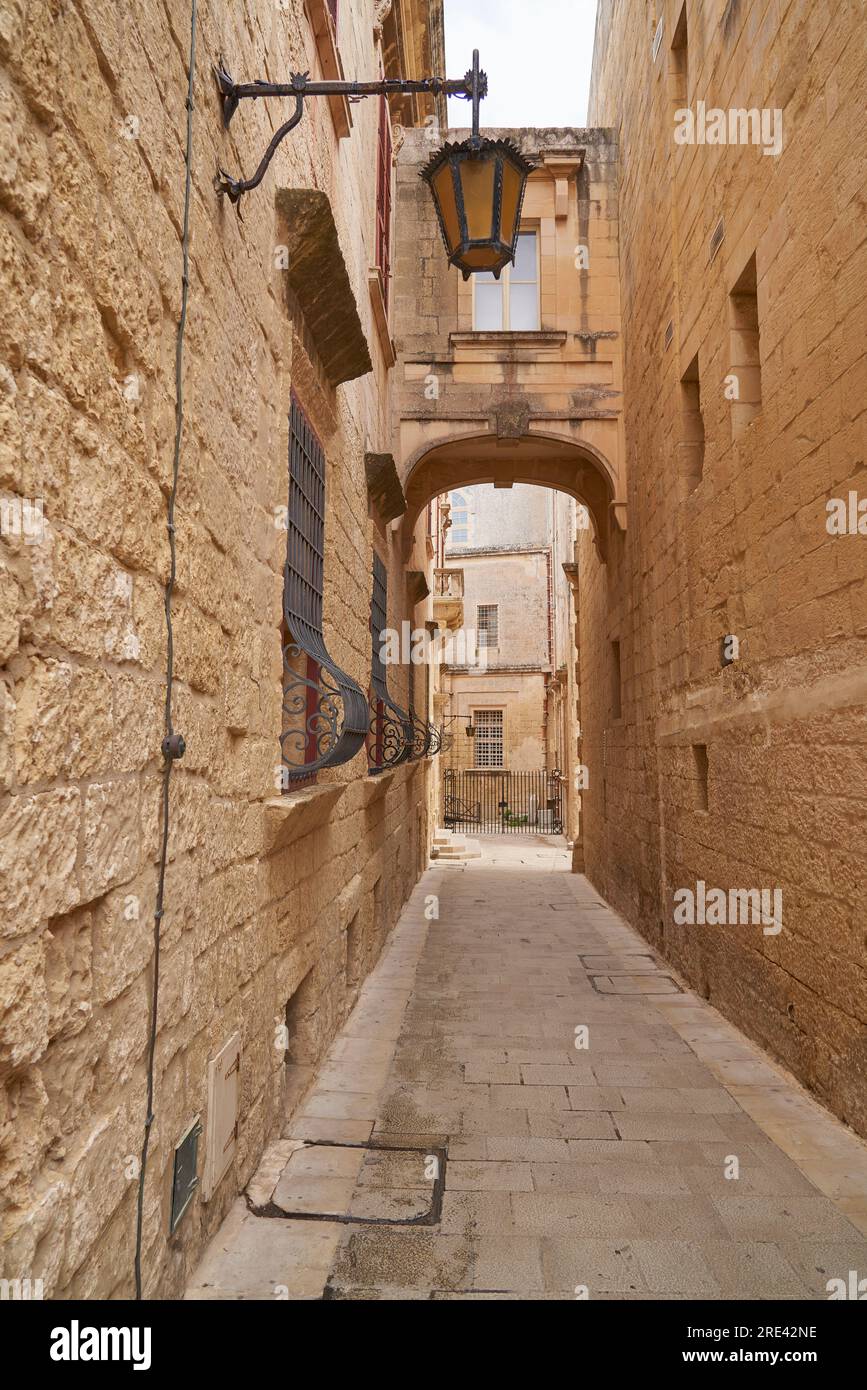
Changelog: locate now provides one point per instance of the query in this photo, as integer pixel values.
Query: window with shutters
(383, 199)
(488, 741)
(324, 710)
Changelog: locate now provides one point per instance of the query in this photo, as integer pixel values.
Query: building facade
(510, 544)
(284, 870)
(509, 383)
(723, 644)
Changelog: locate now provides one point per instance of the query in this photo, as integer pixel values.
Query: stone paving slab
(558, 1167)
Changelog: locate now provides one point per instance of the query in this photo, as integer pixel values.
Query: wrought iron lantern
(478, 189)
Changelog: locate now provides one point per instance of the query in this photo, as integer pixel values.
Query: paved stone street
(471, 1150)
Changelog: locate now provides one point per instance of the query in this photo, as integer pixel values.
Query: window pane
(523, 306)
(488, 624)
(489, 306)
(488, 741)
(525, 257)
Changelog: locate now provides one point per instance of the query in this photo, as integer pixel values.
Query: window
(324, 711)
(744, 387)
(512, 302)
(692, 427)
(487, 624)
(462, 518)
(488, 741)
(383, 199)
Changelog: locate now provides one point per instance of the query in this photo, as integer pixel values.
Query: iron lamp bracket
(473, 86)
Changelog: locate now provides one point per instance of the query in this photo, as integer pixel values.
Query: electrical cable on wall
(173, 746)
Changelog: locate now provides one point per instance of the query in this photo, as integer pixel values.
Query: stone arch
(546, 460)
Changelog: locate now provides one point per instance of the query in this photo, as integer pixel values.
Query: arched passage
(543, 460)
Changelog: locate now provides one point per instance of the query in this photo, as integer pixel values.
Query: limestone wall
(744, 550)
(257, 899)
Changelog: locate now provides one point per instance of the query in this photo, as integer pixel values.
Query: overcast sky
(536, 53)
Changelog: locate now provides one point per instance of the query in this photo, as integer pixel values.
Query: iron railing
(503, 803)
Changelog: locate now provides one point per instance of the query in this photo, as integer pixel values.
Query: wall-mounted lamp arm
(473, 86)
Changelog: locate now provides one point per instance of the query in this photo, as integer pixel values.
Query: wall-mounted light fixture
(477, 185)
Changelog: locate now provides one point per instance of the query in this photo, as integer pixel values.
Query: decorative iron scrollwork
(420, 737)
(435, 742)
(324, 714)
(324, 710)
(391, 734)
(391, 730)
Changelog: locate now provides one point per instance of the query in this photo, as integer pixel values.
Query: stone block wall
(257, 898)
(752, 774)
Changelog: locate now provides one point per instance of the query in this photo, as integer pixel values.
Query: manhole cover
(648, 984)
(360, 1183)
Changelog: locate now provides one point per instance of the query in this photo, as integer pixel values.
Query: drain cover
(361, 1183)
(655, 983)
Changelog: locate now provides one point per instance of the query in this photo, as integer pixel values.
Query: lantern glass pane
(443, 189)
(512, 185)
(477, 179)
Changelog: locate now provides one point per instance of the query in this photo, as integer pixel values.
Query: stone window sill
(297, 813)
(543, 337)
(380, 315)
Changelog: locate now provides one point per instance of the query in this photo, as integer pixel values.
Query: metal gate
(503, 803)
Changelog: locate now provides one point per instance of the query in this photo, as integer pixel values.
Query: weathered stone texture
(92, 131)
(746, 550)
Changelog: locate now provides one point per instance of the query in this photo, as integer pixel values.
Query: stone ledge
(506, 338)
(297, 813)
(377, 782)
(383, 486)
(319, 280)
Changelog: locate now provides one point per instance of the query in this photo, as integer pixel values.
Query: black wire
(170, 653)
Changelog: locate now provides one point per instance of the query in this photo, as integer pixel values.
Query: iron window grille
(488, 622)
(324, 710)
(488, 743)
(391, 731)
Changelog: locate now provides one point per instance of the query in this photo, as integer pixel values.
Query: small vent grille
(717, 237)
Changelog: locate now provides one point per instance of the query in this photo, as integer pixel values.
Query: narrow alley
(433, 667)
(526, 1103)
